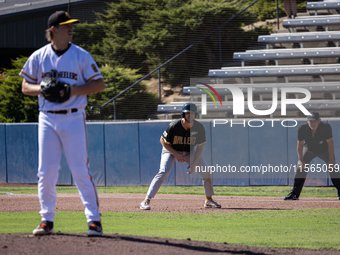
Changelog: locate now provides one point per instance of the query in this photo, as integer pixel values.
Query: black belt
(63, 111)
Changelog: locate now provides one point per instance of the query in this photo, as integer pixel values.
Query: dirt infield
(119, 202)
(62, 243)
(121, 244)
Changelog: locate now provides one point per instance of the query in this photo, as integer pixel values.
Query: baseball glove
(51, 87)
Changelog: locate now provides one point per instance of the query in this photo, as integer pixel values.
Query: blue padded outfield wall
(128, 153)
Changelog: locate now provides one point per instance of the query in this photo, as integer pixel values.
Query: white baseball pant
(68, 132)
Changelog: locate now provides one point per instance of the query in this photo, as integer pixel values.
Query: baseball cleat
(95, 229)
(145, 205)
(291, 196)
(45, 228)
(211, 204)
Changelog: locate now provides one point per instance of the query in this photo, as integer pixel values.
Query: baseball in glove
(51, 87)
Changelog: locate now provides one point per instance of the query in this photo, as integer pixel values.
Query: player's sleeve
(201, 139)
(301, 133)
(328, 131)
(29, 70)
(90, 70)
(167, 134)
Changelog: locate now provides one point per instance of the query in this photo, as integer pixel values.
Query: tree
(136, 103)
(142, 34)
(90, 37)
(14, 105)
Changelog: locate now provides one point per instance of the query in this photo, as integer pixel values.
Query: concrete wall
(128, 153)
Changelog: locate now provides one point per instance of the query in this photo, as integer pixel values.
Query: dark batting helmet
(189, 107)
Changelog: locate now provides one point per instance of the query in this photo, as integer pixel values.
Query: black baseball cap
(60, 18)
(313, 116)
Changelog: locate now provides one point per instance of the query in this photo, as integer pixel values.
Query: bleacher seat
(312, 22)
(312, 105)
(276, 54)
(325, 5)
(301, 38)
(323, 87)
(291, 70)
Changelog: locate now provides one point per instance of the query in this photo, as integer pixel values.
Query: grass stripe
(312, 229)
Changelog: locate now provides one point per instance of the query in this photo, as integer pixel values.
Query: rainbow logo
(208, 92)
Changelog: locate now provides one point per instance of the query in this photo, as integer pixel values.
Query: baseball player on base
(62, 125)
(183, 141)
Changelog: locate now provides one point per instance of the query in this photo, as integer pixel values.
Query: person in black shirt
(183, 141)
(315, 139)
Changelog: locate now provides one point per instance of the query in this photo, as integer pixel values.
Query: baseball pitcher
(61, 74)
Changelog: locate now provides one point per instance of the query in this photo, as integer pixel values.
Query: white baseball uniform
(62, 126)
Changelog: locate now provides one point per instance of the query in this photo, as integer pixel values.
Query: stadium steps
(306, 57)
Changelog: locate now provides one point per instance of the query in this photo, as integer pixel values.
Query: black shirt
(184, 140)
(316, 144)
(61, 52)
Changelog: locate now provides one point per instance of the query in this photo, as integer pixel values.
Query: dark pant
(300, 176)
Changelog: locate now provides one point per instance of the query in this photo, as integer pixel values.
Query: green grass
(312, 229)
(273, 191)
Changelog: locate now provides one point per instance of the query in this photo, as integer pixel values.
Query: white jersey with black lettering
(75, 67)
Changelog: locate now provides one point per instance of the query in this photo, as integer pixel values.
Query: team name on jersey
(184, 140)
(61, 74)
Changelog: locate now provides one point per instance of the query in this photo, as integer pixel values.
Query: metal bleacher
(300, 38)
(325, 5)
(261, 89)
(280, 54)
(312, 21)
(315, 68)
(258, 71)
